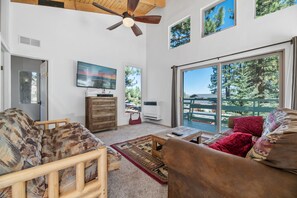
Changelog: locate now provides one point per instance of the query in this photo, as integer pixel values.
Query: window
(180, 33)
(219, 17)
(248, 87)
(264, 7)
(133, 89)
(29, 92)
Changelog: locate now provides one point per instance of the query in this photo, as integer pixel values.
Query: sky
(197, 81)
(228, 4)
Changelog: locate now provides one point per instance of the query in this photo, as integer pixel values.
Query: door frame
(48, 75)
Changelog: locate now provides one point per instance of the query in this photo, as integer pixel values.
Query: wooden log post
(19, 190)
(53, 184)
(80, 176)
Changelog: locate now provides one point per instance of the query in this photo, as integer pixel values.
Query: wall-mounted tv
(95, 76)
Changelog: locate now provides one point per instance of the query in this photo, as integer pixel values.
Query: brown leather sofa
(198, 171)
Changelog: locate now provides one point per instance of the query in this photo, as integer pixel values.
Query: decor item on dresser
(101, 113)
(65, 161)
(271, 163)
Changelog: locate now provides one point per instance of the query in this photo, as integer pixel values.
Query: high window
(264, 7)
(237, 88)
(133, 89)
(219, 17)
(180, 33)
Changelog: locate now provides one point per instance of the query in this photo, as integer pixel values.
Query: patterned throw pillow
(278, 145)
(273, 121)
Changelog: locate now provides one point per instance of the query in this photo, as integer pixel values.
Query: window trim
(213, 5)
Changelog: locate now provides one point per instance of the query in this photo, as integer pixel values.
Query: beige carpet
(130, 181)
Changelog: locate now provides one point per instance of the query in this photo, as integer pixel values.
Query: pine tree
(264, 7)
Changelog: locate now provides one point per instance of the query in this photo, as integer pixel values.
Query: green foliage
(133, 89)
(264, 7)
(213, 87)
(130, 73)
(248, 80)
(180, 33)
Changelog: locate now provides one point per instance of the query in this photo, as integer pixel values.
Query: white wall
(5, 53)
(4, 21)
(249, 33)
(68, 36)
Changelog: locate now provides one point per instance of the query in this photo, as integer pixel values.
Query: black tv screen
(95, 76)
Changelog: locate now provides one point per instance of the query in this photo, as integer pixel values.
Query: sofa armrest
(46, 124)
(17, 180)
(216, 173)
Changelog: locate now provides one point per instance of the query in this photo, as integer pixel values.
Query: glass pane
(133, 89)
(219, 17)
(180, 33)
(29, 92)
(200, 98)
(250, 87)
(264, 7)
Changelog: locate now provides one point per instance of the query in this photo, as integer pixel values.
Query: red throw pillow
(237, 144)
(250, 124)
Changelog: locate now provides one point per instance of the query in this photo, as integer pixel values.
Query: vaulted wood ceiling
(118, 6)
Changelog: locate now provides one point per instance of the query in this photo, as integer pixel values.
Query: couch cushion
(66, 141)
(278, 145)
(249, 124)
(20, 148)
(237, 144)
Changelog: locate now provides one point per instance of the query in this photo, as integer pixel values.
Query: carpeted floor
(130, 181)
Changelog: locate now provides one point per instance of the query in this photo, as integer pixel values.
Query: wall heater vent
(152, 110)
(29, 41)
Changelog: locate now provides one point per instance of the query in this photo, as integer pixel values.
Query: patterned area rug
(139, 152)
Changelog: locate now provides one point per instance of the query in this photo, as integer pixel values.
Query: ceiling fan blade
(137, 31)
(132, 5)
(115, 26)
(106, 9)
(153, 19)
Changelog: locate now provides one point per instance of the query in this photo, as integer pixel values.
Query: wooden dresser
(101, 113)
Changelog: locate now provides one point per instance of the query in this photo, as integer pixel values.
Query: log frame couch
(269, 170)
(28, 171)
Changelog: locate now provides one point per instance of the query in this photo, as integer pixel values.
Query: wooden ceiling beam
(156, 3)
(144, 7)
(91, 8)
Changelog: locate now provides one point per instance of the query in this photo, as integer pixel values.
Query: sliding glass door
(244, 87)
(251, 86)
(200, 98)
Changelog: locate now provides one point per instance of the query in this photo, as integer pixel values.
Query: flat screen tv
(95, 76)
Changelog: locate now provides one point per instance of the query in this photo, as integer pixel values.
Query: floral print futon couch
(23, 145)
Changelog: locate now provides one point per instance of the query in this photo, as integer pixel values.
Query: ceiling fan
(129, 18)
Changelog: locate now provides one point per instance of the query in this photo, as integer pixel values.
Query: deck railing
(204, 110)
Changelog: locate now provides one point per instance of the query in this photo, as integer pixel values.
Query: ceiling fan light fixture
(128, 22)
